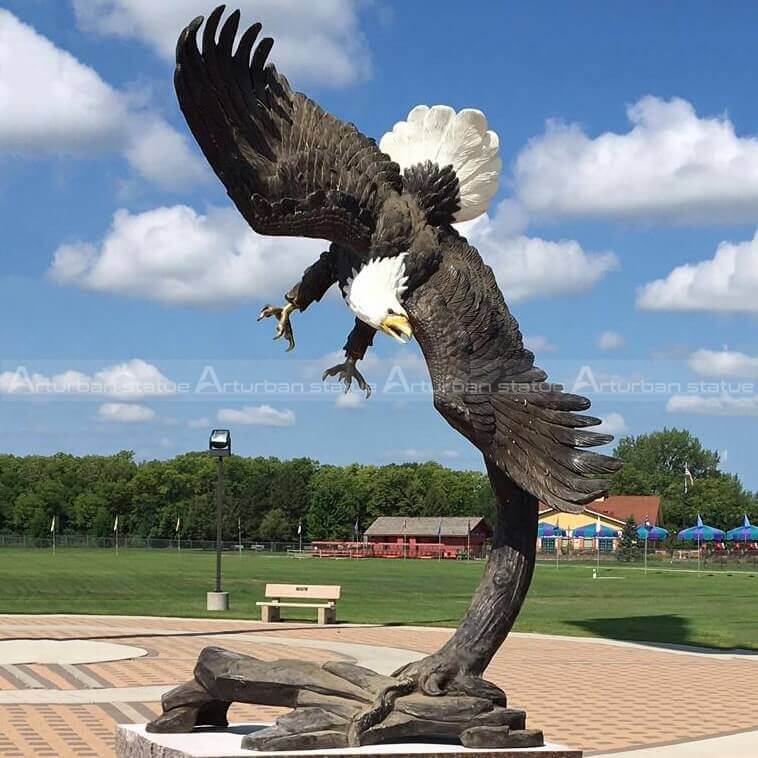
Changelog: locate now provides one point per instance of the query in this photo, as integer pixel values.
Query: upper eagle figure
(293, 169)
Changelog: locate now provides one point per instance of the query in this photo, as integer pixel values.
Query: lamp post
(220, 446)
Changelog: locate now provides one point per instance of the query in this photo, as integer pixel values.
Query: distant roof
(425, 526)
(620, 507)
(623, 506)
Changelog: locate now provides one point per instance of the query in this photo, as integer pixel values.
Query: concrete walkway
(742, 745)
(611, 698)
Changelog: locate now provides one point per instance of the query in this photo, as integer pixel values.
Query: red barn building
(428, 537)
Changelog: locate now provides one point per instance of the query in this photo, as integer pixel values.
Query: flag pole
(115, 529)
(239, 535)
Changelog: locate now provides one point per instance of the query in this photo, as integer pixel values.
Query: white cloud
(537, 343)
(613, 423)
(315, 41)
(257, 415)
(125, 412)
(728, 282)
(724, 363)
(162, 155)
(53, 104)
(719, 405)
(351, 400)
(199, 423)
(610, 340)
(133, 379)
(672, 165)
(177, 256)
(528, 267)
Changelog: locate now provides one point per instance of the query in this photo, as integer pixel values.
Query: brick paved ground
(598, 696)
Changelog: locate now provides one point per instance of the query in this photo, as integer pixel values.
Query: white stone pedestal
(217, 601)
(132, 741)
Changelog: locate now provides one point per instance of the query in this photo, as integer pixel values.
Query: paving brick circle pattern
(65, 651)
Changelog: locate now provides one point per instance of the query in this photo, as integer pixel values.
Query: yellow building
(613, 511)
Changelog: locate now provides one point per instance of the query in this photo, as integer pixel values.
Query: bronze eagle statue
(293, 169)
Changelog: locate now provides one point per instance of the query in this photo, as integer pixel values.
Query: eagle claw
(346, 372)
(283, 327)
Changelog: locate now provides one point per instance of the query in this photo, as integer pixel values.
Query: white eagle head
(373, 294)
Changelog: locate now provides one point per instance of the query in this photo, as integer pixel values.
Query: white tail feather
(441, 135)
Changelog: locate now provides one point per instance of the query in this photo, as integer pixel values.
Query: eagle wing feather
(290, 167)
(487, 386)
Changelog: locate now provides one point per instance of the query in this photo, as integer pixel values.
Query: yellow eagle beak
(398, 327)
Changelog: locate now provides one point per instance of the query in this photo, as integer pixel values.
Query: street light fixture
(220, 446)
(220, 443)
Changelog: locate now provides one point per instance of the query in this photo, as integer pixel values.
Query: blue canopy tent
(596, 531)
(550, 530)
(745, 533)
(651, 533)
(701, 533)
(590, 531)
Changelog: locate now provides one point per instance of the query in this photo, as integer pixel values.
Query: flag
(115, 524)
(52, 526)
(598, 526)
(689, 480)
(468, 527)
(299, 527)
(699, 520)
(647, 521)
(746, 522)
(405, 525)
(178, 523)
(356, 528)
(439, 527)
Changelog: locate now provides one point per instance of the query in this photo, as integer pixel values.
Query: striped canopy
(651, 533)
(701, 532)
(550, 530)
(590, 530)
(745, 533)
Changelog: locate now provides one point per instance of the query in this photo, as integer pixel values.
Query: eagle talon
(283, 327)
(346, 372)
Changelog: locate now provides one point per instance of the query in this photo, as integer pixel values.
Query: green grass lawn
(718, 609)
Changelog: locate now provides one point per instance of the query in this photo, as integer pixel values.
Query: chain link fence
(128, 541)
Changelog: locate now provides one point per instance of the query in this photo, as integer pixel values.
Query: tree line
(269, 497)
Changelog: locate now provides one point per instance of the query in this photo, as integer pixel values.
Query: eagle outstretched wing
(487, 386)
(290, 167)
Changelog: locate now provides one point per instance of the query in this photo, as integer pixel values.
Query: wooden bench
(280, 596)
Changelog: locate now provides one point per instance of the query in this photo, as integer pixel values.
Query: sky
(622, 235)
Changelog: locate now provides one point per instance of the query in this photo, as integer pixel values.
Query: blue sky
(628, 142)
